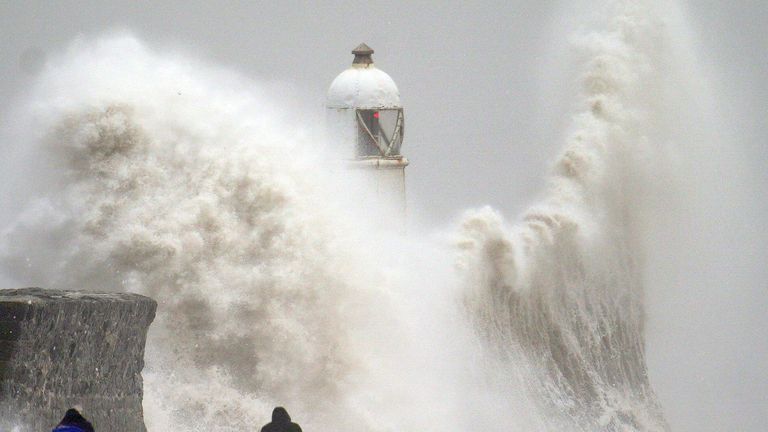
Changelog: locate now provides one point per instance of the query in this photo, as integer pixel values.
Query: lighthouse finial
(362, 54)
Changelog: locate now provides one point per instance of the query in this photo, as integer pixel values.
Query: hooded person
(281, 422)
(73, 421)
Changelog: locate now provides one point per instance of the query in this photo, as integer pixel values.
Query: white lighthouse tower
(365, 117)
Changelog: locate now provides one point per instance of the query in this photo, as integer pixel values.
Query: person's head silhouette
(73, 421)
(281, 422)
(280, 415)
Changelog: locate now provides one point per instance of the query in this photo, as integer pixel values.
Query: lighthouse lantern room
(365, 116)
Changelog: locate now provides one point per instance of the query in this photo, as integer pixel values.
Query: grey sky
(484, 87)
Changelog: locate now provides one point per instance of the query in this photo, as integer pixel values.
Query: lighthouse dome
(363, 86)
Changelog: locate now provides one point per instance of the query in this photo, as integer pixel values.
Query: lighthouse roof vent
(363, 85)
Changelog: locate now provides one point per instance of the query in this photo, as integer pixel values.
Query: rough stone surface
(59, 349)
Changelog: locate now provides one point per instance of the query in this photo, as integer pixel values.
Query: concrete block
(59, 349)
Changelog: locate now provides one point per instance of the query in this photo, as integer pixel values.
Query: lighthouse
(365, 117)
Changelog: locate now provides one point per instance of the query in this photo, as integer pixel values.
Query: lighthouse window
(390, 127)
(380, 132)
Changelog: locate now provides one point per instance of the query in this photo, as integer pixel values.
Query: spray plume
(559, 296)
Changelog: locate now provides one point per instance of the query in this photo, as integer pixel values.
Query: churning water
(184, 182)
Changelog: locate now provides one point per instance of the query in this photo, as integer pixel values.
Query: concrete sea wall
(59, 349)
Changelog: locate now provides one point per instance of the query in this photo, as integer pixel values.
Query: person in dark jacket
(73, 421)
(281, 422)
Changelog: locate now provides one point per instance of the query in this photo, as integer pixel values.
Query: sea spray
(184, 182)
(559, 296)
(177, 183)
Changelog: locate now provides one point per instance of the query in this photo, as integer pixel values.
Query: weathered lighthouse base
(60, 349)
